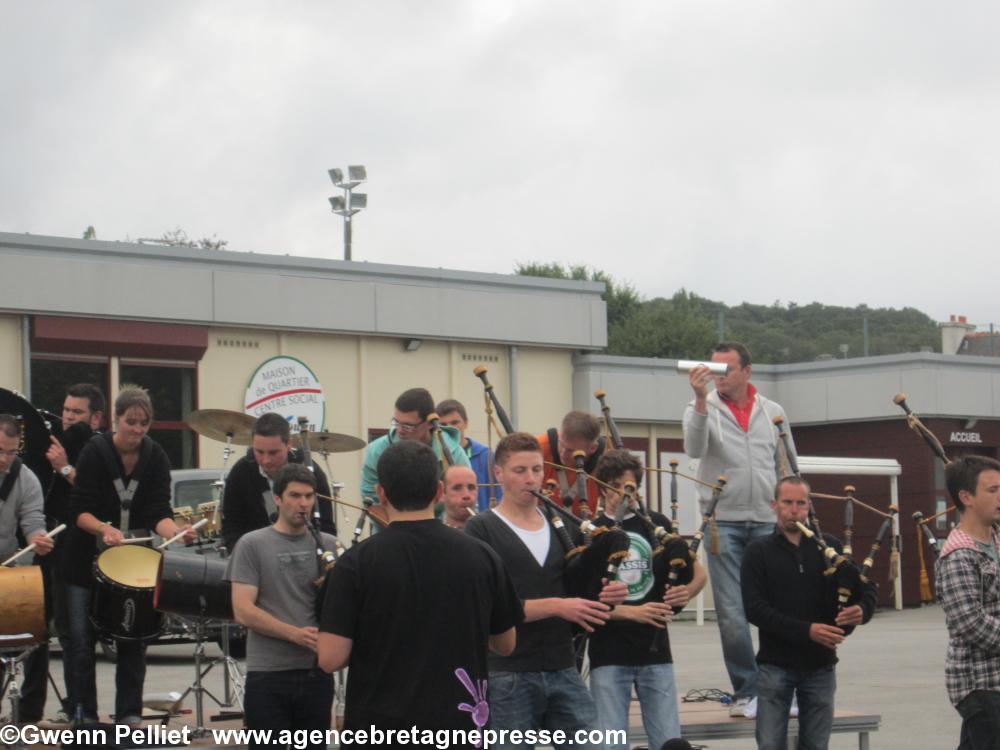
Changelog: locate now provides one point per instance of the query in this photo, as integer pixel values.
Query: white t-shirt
(537, 542)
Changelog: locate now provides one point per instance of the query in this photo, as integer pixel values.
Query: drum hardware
(10, 560)
(12, 656)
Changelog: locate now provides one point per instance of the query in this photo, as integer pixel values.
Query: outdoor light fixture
(411, 345)
(350, 202)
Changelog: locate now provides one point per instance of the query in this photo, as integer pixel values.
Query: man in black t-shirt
(413, 611)
(633, 649)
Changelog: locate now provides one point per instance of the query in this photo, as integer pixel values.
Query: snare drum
(22, 604)
(123, 597)
(193, 585)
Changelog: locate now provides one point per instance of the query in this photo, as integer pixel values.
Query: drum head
(35, 432)
(129, 565)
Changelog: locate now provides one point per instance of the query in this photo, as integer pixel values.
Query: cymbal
(331, 442)
(217, 424)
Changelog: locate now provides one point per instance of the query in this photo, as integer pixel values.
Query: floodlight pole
(347, 225)
(350, 204)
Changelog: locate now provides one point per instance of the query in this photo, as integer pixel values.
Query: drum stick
(30, 547)
(137, 539)
(179, 534)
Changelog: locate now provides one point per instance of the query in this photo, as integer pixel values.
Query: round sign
(287, 386)
(636, 570)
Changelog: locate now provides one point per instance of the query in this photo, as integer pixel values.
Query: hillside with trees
(685, 326)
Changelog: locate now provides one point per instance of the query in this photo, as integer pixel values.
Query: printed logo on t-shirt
(636, 570)
(480, 710)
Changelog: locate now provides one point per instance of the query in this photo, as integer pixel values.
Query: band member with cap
(248, 497)
(459, 496)
(122, 483)
(409, 422)
(274, 572)
(426, 667)
(82, 413)
(538, 685)
(633, 649)
(579, 431)
(794, 605)
(21, 509)
(453, 414)
(967, 574)
(730, 430)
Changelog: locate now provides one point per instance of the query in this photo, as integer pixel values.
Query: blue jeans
(611, 687)
(80, 662)
(540, 700)
(815, 690)
(295, 699)
(724, 572)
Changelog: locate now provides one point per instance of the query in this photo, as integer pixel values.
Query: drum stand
(232, 672)
(12, 659)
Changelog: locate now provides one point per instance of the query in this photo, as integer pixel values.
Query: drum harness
(125, 491)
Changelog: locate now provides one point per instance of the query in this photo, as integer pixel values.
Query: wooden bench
(711, 721)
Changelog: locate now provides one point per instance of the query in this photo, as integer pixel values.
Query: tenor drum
(22, 604)
(193, 586)
(123, 597)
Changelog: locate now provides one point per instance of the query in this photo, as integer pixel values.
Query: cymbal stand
(232, 676)
(227, 451)
(335, 487)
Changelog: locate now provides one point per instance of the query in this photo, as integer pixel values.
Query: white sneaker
(738, 707)
(750, 711)
(794, 710)
(60, 721)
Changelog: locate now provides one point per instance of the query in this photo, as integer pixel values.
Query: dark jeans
(36, 666)
(814, 689)
(81, 662)
(980, 712)
(292, 699)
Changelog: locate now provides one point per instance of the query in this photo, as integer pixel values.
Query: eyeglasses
(404, 427)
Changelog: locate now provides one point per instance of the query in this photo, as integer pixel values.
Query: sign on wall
(287, 386)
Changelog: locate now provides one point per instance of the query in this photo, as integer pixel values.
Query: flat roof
(95, 278)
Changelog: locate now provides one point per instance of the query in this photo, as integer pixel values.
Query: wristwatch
(66, 470)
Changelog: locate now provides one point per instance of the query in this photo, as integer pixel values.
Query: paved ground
(893, 666)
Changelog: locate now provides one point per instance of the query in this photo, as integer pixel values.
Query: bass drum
(35, 433)
(193, 586)
(123, 597)
(22, 605)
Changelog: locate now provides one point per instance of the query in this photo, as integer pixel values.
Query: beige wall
(361, 378)
(10, 345)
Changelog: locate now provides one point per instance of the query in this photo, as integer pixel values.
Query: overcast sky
(841, 152)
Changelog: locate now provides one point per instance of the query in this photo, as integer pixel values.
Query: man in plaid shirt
(968, 585)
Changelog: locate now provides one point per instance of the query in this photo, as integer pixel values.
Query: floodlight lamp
(337, 203)
(337, 175)
(357, 173)
(359, 200)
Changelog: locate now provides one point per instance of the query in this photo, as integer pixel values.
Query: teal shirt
(369, 476)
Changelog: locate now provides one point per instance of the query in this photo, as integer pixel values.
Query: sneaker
(60, 721)
(131, 720)
(794, 710)
(738, 707)
(750, 711)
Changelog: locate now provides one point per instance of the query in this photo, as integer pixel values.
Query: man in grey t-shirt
(273, 572)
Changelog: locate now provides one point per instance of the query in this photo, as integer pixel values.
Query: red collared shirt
(742, 413)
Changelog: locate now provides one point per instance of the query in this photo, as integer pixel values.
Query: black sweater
(94, 493)
(785, 591)
(543, 645)
(243, 499)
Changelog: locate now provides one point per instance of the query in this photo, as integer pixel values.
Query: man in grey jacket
(731, 431)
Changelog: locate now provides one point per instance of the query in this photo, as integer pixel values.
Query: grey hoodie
(748, 459)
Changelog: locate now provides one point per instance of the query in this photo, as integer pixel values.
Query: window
(171, 387)
(50, 377)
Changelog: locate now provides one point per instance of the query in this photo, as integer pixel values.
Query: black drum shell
(192, 585)
(123, 611)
